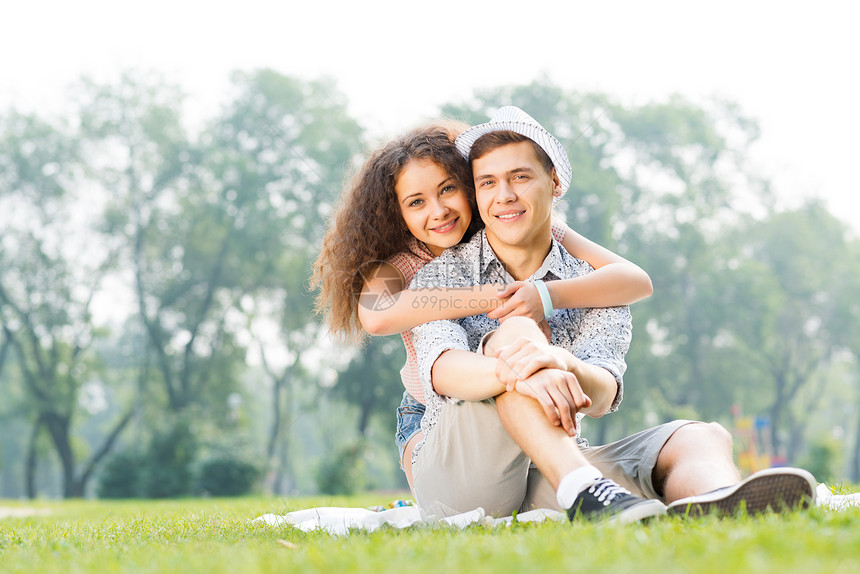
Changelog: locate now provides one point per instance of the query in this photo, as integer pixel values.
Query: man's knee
(699, 438)
(511, 330)
(712, 432)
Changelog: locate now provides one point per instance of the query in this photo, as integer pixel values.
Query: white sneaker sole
(638, 512)
(775, 489)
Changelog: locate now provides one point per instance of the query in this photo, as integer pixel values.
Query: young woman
(412, 199)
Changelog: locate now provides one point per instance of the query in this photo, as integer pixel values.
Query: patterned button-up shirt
(599, 336)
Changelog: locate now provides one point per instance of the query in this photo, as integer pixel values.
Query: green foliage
(227, 476)
(343, 472)
(371, 381)
(121, 476)
(168, 472)
(824, 460)
(167, 469)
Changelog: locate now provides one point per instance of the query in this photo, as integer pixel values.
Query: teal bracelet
(544, 298)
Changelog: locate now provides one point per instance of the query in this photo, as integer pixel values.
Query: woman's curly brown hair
(368, 228)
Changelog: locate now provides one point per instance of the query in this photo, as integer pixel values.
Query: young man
(516, 403)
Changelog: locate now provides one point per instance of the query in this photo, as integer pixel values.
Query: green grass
(216, 535)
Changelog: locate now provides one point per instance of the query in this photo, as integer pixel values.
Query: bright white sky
(788, 64)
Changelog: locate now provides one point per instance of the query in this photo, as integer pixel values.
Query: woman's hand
(520, 299)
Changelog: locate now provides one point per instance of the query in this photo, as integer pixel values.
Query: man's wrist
(573, 363)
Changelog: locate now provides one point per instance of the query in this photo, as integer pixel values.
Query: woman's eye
(416, 202)
(448, 189)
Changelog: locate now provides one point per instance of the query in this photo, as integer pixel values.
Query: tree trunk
(776, 413)
(364, 417)
(855, 463)
(58, 428)
(4, 350)
(30, 463)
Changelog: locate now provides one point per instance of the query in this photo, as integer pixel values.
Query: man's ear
(556, 183)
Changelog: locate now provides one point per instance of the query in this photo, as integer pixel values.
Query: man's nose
(505, 192)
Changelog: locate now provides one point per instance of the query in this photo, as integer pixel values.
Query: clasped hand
(519, 299)
(543, 372)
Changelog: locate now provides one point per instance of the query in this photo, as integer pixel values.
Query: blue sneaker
(606, 501)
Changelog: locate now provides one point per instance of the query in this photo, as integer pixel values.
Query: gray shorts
(469, 461)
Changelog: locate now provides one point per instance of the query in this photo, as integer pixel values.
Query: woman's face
(434, 205)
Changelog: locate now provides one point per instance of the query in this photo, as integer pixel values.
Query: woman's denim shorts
(409, 415)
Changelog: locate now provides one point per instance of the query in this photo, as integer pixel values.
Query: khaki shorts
(469, 460)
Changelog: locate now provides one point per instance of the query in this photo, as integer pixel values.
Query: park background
(166, 170)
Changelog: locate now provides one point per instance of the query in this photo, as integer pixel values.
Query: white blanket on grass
(337, 520)
(825, 498)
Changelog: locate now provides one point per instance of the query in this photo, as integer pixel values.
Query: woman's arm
(615, 281)
(386, 307)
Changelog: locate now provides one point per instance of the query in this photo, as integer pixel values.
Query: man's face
(514, 194)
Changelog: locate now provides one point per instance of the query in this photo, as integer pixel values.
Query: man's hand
(559, 394)
(520, 299)
(525, 357)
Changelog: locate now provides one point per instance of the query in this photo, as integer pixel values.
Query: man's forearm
(599, 384)
(465, 375)
(520, 357)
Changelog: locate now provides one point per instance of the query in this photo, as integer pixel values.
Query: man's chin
(506, 239)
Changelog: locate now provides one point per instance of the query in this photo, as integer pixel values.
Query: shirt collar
(552, 266)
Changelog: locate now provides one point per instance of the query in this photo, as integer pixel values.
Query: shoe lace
(606, 491)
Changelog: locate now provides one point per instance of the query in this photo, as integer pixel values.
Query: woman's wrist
(545, 299)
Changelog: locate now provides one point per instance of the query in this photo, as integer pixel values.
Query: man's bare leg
(697, 458)
(553, 451)
(699, 477)
(556, 453)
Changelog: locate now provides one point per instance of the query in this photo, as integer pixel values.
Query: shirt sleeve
(603, 340)
(434, 338)
(431, 340)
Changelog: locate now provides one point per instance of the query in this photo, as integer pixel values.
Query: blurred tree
(213, 222)
(785, 331)
(282, 325)
(52, 264)
(139, 149)
(683, 175)
(4, 348)
(280, 150)
(371, 381)
(843, 312)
